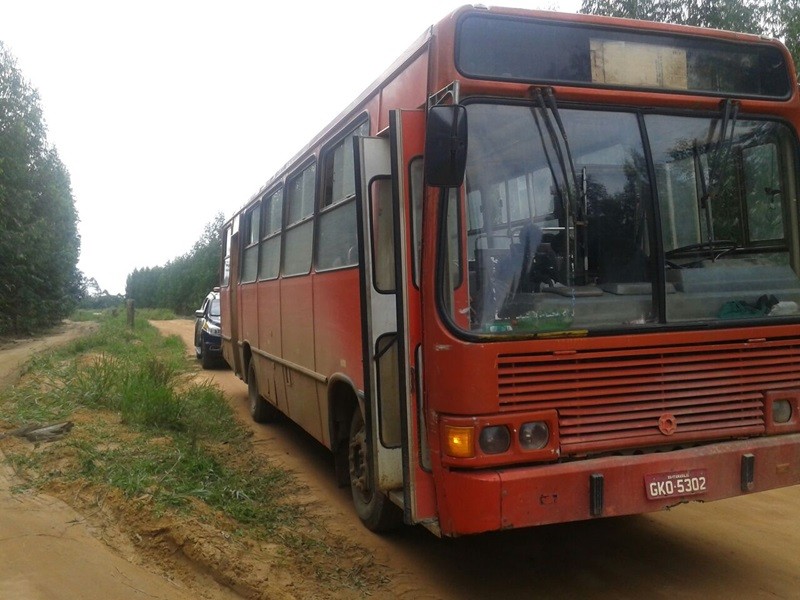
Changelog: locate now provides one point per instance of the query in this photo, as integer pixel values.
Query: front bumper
(212, 344)
(487, 500)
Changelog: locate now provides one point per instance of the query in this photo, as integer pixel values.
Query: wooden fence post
(131, 311)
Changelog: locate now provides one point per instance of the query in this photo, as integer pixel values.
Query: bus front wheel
(374, 508)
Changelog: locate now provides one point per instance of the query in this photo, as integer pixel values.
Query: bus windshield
(593, 230)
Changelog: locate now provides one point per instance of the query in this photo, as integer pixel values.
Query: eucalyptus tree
(183, 282)
(39, 242)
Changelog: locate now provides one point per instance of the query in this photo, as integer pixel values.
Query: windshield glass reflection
(556, 231)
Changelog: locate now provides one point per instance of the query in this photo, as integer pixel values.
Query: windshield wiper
(544, 105)
(729, 114)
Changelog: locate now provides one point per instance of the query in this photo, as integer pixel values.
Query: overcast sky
(167, 112)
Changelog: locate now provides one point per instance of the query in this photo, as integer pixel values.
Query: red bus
(545, 269)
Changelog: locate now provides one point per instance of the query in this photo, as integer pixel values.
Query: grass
(142, 377)
(148, 430)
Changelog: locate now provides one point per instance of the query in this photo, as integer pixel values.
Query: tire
(373, 507)
(261, 410)
(206, 361)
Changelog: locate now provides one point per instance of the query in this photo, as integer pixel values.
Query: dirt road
(14, 354)
(741, 548)
(47, 550)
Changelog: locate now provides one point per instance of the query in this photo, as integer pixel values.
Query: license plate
(676, 484)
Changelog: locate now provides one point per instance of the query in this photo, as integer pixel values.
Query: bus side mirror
(446, 145)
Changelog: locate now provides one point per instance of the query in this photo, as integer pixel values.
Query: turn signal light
(460, 441)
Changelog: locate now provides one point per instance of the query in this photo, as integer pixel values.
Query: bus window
(451, 261)
(250, 242)
(764, 196)
(270, 258)
(339, 171)
(677, 184)
(226, 256)
(300, 227)
(723, 214)
(383, 234)
(540, 259)
(417, 194)
(388, 391)
(337, 243)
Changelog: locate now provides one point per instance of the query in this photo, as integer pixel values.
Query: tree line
(774, 18)
(183, 282)
(40, 283)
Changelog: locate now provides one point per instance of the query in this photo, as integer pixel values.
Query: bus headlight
(781, 411)
(495, 439)
(534, 436)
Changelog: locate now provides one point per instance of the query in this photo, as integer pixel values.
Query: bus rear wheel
(373, 507)
(261, 410)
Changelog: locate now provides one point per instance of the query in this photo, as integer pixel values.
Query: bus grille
(610, 400)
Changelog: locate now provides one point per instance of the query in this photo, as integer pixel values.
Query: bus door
(229, 297)
(391, 312)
